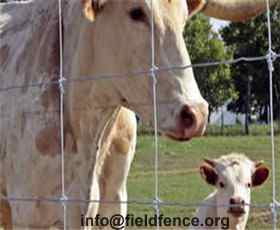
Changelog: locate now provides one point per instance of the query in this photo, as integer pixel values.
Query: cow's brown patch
(48, 141)
(5, 214)
(121, 145)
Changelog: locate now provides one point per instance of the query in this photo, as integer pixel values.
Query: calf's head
(121, 44)
(233, 176)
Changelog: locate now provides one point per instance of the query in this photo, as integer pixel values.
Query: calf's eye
(221, 184)
(249, 185)
(137, 14)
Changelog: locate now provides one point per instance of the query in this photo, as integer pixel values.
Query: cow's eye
(222, 185)
(137, 14)
(249, 185)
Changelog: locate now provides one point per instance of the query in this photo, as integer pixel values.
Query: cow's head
(121, 39)
(233, 175)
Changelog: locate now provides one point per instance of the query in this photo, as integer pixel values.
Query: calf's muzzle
(237, 206)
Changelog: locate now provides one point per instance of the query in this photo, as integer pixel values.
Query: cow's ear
(91, 8)
(260, 175)
(195, 6)
(208, 173)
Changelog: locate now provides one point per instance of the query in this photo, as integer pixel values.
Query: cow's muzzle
(190, 122)
(237, 208)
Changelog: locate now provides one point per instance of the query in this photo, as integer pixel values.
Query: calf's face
(123, 37)
(233, 179)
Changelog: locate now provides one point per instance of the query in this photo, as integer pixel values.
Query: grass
(179, 180)
(239, 130)
(227, 130)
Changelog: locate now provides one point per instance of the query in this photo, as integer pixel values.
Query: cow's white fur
(235, 172)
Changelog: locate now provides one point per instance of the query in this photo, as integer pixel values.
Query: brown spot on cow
(121, 145)
(48, 141)
(5, 210)
(5, 215)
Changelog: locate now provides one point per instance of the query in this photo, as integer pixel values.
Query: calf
(233, 176)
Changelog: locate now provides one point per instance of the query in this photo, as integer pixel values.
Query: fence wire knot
(153, 72)
(63, 199)
(274, 211)
(270, 58)
(156, 203)
(277, 204)
(61, 84)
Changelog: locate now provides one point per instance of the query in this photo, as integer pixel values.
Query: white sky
(217, 24)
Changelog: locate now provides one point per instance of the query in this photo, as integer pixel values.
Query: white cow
(233, 176)
(104, 42)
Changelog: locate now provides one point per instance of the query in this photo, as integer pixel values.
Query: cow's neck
(90, 109)
(95, 94)
(238, 224)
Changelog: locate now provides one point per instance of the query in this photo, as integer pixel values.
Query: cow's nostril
(187, 117)
(232, 201)
(243, 202)
(190, 122)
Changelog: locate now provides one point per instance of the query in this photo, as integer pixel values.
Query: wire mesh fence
(154, 201)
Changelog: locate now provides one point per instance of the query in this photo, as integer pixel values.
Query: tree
(204, 45)
(251, 40)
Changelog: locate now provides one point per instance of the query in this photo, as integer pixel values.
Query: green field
(179, 180)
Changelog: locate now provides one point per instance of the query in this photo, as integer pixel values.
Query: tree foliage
(204, 45)
(251, 40)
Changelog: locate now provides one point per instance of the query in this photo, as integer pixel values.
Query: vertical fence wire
(270, 59)
(155, 113)
(63, 198)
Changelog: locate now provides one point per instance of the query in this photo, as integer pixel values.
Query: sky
(217, 24)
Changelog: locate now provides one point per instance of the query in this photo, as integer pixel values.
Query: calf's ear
(208, 173)
(91, 8)
(195, 6)
(260, 175)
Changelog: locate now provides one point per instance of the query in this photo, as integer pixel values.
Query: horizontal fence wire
(138, 202)
(155, 71)
(147, 73)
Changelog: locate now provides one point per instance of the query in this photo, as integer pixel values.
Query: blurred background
(239, 119)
